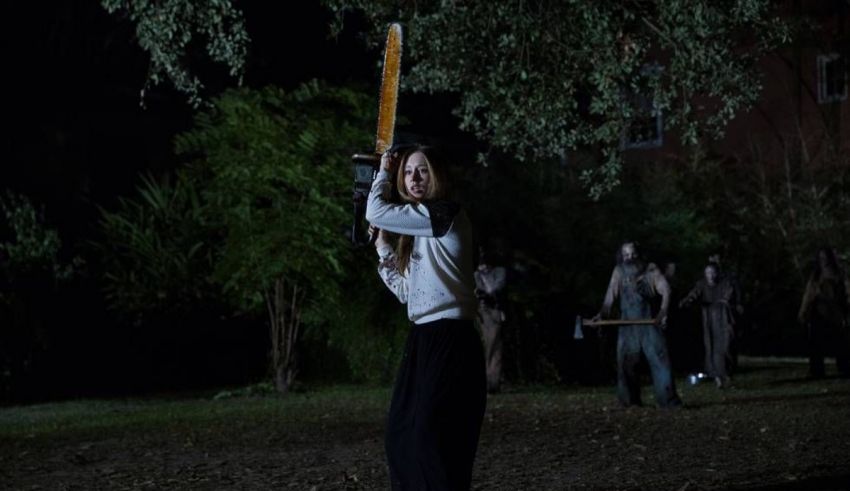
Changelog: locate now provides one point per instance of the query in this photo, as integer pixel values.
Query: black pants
(828, 338)
(437, 407)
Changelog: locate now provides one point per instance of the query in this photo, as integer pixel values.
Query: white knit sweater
(439, 282)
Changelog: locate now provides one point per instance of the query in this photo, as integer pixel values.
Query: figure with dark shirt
(824, 310)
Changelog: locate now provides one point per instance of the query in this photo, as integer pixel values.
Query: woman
(718, 322)
(824, 309)
(438, 401)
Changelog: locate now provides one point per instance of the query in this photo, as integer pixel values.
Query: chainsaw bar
(389, 90)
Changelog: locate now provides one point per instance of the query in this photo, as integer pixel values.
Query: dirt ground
(772, 430)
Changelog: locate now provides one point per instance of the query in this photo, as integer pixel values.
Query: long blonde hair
(436, 190)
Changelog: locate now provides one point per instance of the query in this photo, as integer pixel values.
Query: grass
(90, 416)
(772, 430)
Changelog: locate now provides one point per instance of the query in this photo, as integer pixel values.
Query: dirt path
(773, 430)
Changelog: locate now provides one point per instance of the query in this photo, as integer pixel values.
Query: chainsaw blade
(389, 90)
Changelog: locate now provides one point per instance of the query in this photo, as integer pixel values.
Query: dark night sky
(77, 136)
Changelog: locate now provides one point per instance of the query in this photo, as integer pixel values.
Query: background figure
(736, 300)
(489, 285)
(824, 310)
(635, 284)
(715, 295)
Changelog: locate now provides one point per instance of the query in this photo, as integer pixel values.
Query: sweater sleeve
(389, 273)
(431, 219)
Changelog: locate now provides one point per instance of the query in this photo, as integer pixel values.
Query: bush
(31, 272)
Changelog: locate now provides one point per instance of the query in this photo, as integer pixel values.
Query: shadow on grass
(750, 368)
(819, 483)
(804, 380)
(733, 401)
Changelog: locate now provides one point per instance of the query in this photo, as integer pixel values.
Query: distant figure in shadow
(823, 311)
(635, 283)
(715, 295)
(489, 285)
(736, 302)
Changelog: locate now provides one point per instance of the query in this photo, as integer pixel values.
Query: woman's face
(417, 178)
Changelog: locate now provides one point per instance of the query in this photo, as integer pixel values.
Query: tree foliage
(255, 220)
(776, 216)
(168, 30)
(275, 186)
(28, 246)
(537, 78)
(32, 271)
(157, 251)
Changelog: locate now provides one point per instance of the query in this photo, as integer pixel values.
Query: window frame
(823, 96)
(646, 102)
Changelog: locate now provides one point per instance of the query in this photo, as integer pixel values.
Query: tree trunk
(283, 303)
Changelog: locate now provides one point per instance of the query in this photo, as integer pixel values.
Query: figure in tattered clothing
(635, 284)
(716, 296)
(489, 284)
(824, 311)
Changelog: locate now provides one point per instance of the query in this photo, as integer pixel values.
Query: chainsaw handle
(365, 170)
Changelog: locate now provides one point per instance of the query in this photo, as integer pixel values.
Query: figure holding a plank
(635, 284)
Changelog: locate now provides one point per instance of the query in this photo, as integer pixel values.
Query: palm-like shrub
(256, 218)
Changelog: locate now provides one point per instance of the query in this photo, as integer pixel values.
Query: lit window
(832, 78)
